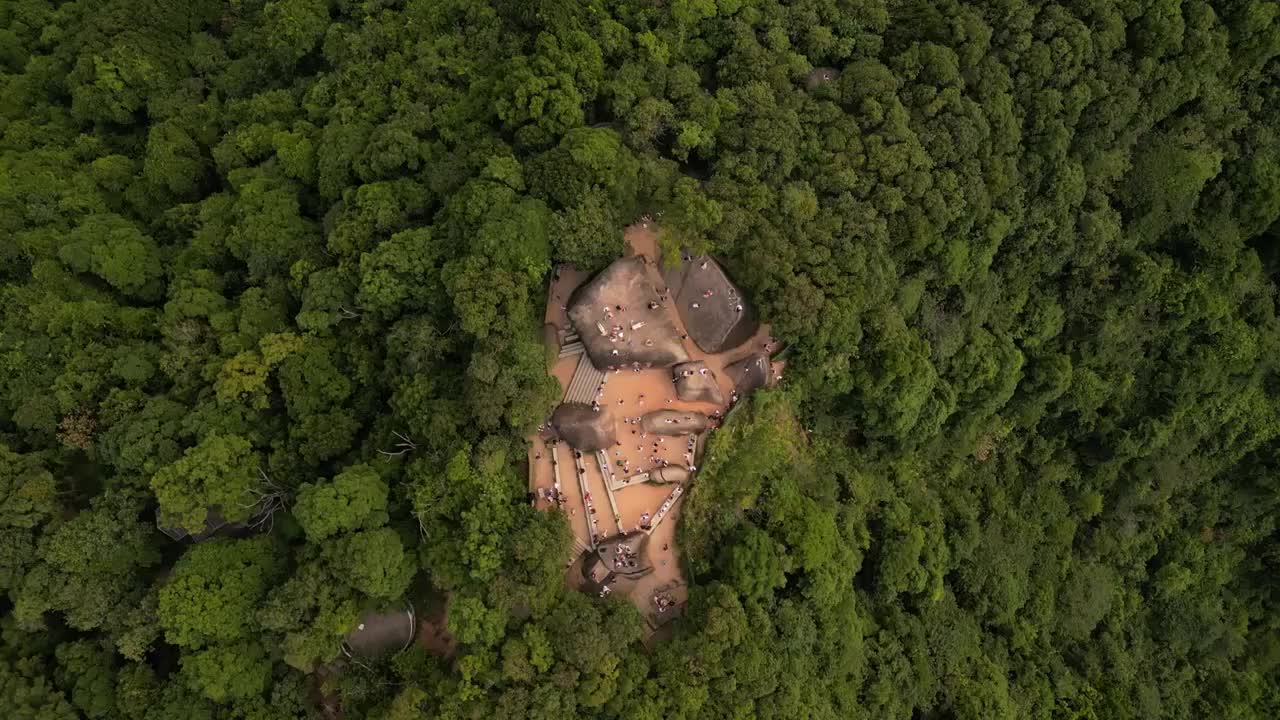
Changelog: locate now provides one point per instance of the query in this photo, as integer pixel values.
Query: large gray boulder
(753, 371)
(714, 311)
(613, 317)
(674, 422)
(695, 382)
(669, 474)
(585, 430)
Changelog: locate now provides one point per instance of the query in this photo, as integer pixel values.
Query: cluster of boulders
(620, 317)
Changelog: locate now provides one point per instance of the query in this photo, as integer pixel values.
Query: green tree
(215, 586)
(1022, 257)
(314, 610)
(219, 472)
(543, 94)
(89, 676)
(752, 564)
(372, 561)
(28, 498)
(588, 234)
(173, 159)
(228, 672)
(356, 498)
(140, 695)
(28, 695)
(401, 275)
(113, 248)
(92, 569)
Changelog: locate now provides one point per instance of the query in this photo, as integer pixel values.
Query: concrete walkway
(592, 487)
(666, 506)
(606, 474)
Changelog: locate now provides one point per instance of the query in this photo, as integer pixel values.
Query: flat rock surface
(674, 422)
(584, 429)
(712, 308)
(695, 382)
(613, 317)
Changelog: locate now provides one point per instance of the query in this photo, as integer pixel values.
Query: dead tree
(403, 447)
(268, 497)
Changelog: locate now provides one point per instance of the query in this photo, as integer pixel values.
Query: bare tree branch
(404, 446)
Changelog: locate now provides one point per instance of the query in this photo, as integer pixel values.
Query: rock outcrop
(753, 371)
(620, 319)
(715, 313)
(674, 422)
(669, 474)
(380, 633)
(585, 429)
(695, 382)
(617, 562)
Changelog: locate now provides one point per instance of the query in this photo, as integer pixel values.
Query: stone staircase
(572, 344)
(586, 379)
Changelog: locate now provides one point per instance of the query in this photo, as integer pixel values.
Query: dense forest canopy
(282, 265)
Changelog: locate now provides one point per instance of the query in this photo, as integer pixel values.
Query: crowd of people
(617, 332)
(663, 601)
(625, 557)
(552, 495)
